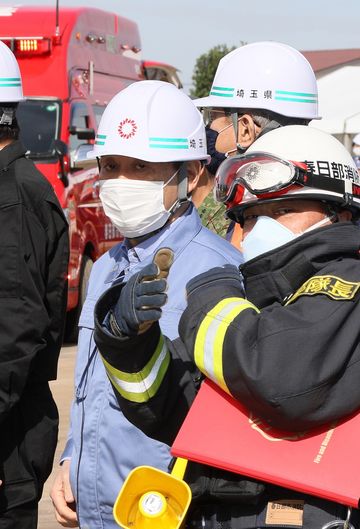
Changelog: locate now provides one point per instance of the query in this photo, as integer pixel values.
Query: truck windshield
(39, 121)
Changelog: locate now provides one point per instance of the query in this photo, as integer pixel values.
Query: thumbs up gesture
(141, 299)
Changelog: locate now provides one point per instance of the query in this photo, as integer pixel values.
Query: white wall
(339, 101)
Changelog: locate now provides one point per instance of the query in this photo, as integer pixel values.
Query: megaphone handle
(179, 467)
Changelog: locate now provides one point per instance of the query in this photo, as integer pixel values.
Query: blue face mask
(266, 235)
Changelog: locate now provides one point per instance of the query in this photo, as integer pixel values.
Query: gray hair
(262, 118)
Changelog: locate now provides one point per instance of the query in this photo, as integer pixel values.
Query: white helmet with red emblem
(295, 161)
(152, 121)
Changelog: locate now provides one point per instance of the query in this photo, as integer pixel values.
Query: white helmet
(268, 76)
(10, 78)
(152, 121)
(294, 161)
(356, 139)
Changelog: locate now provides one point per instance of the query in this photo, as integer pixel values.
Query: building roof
(322, 59)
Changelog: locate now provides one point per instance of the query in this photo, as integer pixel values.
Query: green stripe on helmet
(221, 95)
(300, 94)
(295, 100)
(222, 89)
(168, 143)
(167, 146)
(172, 140)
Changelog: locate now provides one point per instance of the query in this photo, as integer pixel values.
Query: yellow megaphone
(153, 499)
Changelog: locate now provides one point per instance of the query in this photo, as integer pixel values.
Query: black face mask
(216, 156)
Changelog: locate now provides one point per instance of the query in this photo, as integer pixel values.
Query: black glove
(226, 277)
(139, 302)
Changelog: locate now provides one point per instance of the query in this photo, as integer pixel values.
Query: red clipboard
(220, 432)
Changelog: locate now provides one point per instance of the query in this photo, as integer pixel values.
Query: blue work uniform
(103, 446)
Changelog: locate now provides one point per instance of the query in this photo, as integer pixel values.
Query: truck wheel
(72, 317)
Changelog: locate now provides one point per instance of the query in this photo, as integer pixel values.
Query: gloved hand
(143, 296)
(223, 278)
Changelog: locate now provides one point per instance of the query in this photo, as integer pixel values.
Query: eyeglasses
(259, 173)
(210, 114)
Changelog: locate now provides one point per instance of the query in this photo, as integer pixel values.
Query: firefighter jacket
(290, 351)
(33, 270)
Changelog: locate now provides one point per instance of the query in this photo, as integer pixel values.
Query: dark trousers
(22, 517)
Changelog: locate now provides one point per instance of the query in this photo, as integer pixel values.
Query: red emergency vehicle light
(27, 46)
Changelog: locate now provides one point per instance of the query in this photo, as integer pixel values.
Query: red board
(220, 432)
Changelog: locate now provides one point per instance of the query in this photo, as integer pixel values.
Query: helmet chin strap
(182, 189)
(273, 124)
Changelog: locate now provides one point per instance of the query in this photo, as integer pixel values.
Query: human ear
(246, 131)
(195, 170)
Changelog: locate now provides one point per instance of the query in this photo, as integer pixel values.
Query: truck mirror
(79, 159)
(82, 133)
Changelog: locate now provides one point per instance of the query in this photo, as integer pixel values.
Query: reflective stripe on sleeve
(211, 334)
(143, 385)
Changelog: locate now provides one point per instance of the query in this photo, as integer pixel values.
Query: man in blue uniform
(151, 148)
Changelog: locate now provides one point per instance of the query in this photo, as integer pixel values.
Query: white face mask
(135, 207)
(268, 234)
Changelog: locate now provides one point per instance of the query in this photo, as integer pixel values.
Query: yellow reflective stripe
(211, 334)
(206, 336)
(142, 385)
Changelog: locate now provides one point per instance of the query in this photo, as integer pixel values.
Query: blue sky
(178, 32)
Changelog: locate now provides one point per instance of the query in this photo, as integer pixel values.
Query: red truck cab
(72, 63)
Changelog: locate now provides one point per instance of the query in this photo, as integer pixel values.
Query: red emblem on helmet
(127, 128)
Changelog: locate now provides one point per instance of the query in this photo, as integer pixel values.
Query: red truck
(73, 61)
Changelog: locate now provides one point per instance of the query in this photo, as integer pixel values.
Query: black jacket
(33, 291)
(293, 357)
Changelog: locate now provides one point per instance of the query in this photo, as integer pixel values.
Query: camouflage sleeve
(212, 215)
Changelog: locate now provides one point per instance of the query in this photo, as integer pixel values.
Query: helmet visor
(258, 172)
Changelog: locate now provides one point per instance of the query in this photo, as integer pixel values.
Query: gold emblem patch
(332, 286)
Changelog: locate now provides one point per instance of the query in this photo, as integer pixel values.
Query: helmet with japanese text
(292, 162)
(265, 75)
(10, 77)
(152, 121)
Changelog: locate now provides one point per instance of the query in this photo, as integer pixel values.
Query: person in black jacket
(33, 293)
(289, 349)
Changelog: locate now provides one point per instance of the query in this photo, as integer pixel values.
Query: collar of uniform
(275, 275)
(11, 152)
(118, 254)
(176, 235)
